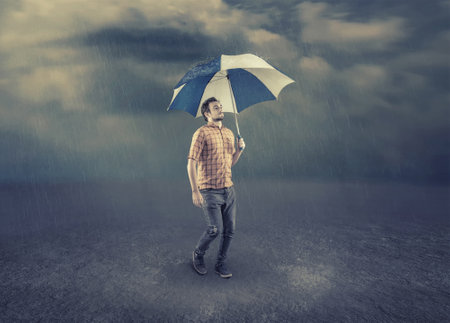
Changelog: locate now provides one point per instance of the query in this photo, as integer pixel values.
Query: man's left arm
(239, 151)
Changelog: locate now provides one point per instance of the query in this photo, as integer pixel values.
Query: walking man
(211, 156)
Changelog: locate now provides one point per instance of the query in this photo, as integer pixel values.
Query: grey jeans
(219, 209)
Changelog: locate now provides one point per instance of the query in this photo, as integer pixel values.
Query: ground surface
(302, 252)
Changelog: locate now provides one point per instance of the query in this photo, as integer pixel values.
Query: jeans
(219, 209)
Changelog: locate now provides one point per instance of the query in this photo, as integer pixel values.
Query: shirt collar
(213, 125)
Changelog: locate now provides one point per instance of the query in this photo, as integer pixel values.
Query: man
(211, 156)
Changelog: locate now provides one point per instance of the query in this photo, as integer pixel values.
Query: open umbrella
(237, 81)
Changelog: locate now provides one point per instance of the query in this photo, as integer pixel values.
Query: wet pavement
(303, 251)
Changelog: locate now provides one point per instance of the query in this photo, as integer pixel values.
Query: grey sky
(84, 87)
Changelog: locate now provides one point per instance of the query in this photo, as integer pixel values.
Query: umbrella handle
(239, 137)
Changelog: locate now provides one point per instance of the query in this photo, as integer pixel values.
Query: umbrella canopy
(237, 81)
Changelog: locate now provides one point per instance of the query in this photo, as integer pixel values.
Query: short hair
(205, 106)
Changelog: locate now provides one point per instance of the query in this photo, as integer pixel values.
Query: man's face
(215, 111)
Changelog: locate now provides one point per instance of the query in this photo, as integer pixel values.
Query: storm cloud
(85, 86)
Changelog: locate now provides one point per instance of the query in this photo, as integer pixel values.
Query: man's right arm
(197, 198)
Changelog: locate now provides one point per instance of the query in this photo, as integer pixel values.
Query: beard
(219, 118)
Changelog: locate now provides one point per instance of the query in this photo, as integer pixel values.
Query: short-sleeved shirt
(213, 148)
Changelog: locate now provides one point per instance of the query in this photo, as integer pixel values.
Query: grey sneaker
(222, 270)
(198, 264)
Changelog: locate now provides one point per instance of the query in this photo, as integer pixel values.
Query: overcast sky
(84, 87)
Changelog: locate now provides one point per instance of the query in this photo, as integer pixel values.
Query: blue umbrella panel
(237, 81)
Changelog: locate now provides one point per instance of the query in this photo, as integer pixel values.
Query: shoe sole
(195, 268)
(224, 276)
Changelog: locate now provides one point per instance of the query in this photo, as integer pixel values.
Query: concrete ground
(303, 251)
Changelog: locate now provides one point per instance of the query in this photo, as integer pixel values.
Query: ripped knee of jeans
(228, 233)
(212, 231)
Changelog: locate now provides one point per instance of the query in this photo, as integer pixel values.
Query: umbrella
(237, 81)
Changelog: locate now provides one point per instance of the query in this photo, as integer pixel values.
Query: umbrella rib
(218, 77)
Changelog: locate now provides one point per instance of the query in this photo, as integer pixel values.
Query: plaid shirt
(213, 148)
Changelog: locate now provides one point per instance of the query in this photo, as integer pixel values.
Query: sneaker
(222, 270)
(198, 264)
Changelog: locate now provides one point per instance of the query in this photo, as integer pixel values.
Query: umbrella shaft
(234, 106)
(237, 124)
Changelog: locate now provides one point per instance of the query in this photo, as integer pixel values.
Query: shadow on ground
(302, 252)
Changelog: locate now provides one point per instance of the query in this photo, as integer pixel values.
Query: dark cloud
(161, 44)
(374, 113)
(282, 16)
(424, 20)
(164, 44)
(116, 89)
